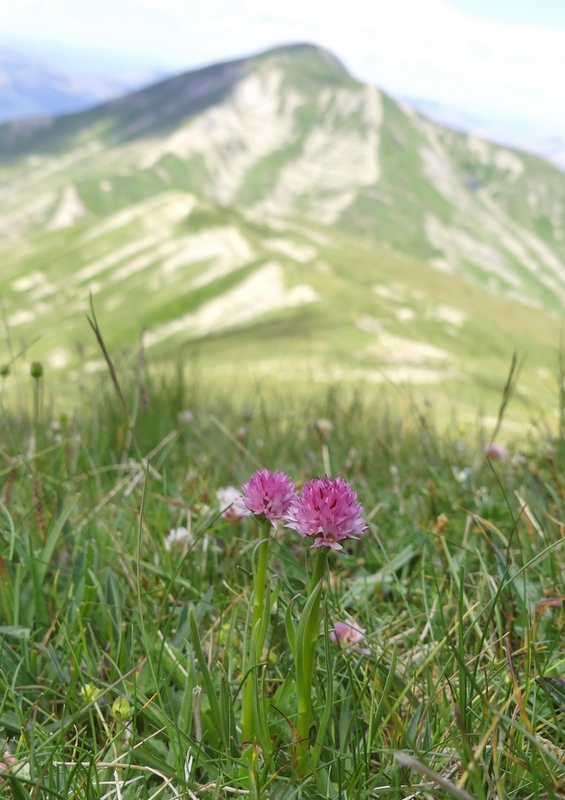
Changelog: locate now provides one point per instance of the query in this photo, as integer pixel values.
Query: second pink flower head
(328, 512)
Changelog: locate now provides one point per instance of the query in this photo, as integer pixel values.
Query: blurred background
(366, 194)
(493, 68)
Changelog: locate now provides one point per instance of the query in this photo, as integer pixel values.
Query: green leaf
(261, 633)
(215, 714)
(52, 539)
(12, 527)
(306, 636)
(555, 687)
(15, 631)
(113, 604)
(290, 629)
(37, 612)
(226, 709)
(328, 707)
(261, 723)
(184, 718)
(362, 588)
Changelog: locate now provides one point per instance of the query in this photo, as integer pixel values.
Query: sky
(544, 13)
(500, 61)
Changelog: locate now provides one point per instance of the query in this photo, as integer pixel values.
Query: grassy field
(379, 319)
(335, 287)
(122, 652)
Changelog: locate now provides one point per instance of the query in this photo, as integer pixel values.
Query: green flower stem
(305, 671)
(319, 569)
(256, 641)
(260, 581)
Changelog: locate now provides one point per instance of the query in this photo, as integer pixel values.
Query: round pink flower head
(267, 494)
(327, 512)
(495, 451)
(349, 634)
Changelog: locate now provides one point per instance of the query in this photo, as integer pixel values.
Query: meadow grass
(121, 660)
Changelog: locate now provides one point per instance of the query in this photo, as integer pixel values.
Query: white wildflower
(230, 501)
(178, 539)
(461, 475)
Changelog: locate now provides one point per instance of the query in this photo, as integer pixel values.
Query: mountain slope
(248, 294)
(291, 133)
(277, 193)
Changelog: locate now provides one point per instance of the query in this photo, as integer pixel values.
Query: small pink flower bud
(348, 635)
(495, 452)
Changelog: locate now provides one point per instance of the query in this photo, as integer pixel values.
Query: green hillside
(276, 216)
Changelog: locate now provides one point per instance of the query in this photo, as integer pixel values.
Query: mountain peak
(162, 106)
(304, 49)
(306, 63)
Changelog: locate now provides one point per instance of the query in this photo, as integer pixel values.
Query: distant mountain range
(31, 86)
(277, 206)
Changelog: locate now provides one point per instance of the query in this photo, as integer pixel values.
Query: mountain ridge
(175, 97)
(248, 187)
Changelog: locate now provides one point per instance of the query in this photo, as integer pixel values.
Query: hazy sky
(501, 58)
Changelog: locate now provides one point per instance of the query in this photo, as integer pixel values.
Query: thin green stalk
(259, 582)
(93, 322)
(309, 636)
(255, 639)
(319, 568)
